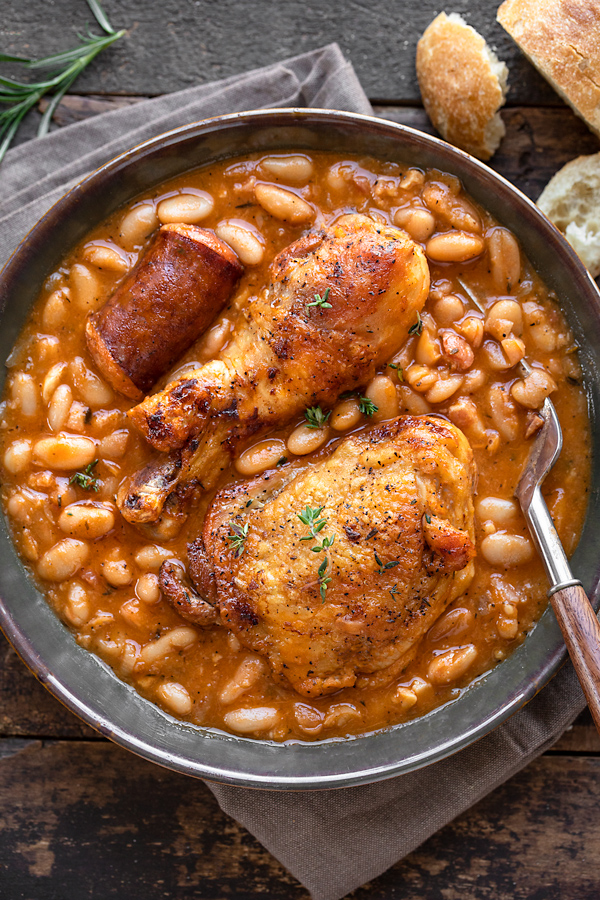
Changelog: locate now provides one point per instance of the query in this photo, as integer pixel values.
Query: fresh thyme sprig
(323, 580)
(315, 417)
(417, 328)
(86, 479)
(311, 517)
(366, 406)
(399, 370)
(321, 301)
(63, 68)
(383, 567)
(237, 538)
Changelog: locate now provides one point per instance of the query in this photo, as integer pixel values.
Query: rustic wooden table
(81, 818)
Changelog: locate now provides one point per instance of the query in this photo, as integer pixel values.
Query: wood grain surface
(79, 817)
(173, 44)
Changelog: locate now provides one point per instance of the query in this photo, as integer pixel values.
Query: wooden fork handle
(581, 631)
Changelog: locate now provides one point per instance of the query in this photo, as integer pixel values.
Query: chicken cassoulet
(261, 436)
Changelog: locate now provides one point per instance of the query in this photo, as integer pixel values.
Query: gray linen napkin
(332, 841)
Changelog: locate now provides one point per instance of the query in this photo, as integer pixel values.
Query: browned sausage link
(169, 298)
(183, 599)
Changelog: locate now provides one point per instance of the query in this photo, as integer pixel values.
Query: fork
(572, 608)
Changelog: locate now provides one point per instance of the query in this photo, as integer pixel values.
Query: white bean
(52, 380)
(284, 205)
(87, 520)
(93, 390)
(428, 349)
(249, 248)
(248, 721)
(448, 309)
(405, 698)
(451, 665)
(114, 445)
(499, 510)
(77, 608)
(346, 414)
(452, 624)
(381, 391)
(62, 560)
(505, 259)
(64, 452)
(533, 390)
(24, 392)
(151, 557)
(117, 571)
(107, 258)
(304, 440)
(503, 413)
(17, 456)
(262, 456)
(85, 288)
(454, 246)
(186, 208)
(176, 698)
(248, 673)
(137, 224)
(504, 316)
(60, 406)
(147, 588)
(294, 169)
(177, 639)
(56, 309)
(443, 389)
(506, 550)
(419, 223)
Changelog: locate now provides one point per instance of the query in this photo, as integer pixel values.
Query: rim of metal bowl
(85, 684)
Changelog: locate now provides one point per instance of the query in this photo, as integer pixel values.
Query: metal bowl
(85, 684)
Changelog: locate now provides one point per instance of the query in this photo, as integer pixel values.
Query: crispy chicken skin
(398, 502)
(288, 351)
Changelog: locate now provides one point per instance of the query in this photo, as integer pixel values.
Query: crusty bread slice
(571, 200)
(562, 40)
(463, 85)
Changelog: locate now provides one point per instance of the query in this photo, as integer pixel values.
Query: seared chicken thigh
(392, 512)
(339, 303)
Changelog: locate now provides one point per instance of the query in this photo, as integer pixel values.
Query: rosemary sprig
(63, 68)
(321, 301)
(86, 479)
(237, 538)
(366, 406)
(315, 417)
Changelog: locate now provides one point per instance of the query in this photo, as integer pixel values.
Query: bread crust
(562, 40)
(462, 85)
(571, 200)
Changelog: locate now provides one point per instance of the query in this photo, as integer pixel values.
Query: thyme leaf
(315, 417)
(86, 479)
(237, 538)
(417, 328)
(366, 406)
(383, 567)
(399, 370)
(320, 301)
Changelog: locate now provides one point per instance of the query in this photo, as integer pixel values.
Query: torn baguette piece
(571, 200)
(463, 85)
(562, 40)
